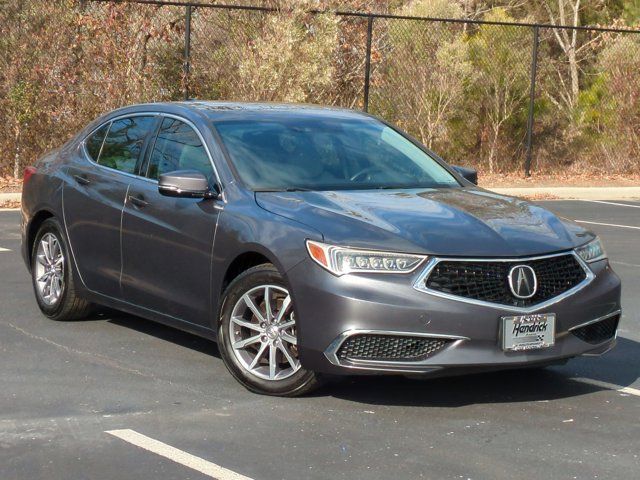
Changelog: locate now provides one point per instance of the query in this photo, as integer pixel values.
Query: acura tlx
(308, 242)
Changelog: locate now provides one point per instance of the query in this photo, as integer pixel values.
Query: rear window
(94, 142)
(123, 144)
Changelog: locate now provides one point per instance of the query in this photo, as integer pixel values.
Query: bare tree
(567, 40)
(567, 12)
(425, 72)
(500, 55)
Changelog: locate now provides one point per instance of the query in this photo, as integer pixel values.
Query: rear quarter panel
(42, 193)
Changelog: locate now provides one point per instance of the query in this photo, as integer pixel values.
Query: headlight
(340, 260)
(592, 251)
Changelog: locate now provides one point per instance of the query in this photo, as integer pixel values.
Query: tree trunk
(16, 158)
(568, 42)
(492, 151)
(573, 71)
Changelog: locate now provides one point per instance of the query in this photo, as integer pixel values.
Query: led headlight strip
(342, 260)
(592, 251)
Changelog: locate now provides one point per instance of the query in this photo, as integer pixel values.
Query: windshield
(301, 152)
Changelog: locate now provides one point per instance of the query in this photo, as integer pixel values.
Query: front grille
(488, 280)
(598, 332)
(390, 347)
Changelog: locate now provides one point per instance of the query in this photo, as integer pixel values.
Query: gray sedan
(308, 242)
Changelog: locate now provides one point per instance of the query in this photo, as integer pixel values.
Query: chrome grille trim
(596, 320)
(331, 353)
(615, 313)
(420, 282)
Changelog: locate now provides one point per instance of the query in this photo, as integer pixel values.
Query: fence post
(367, 65)
(532, 98)
(187, 50)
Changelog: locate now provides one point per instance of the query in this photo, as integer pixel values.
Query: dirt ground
(497, 180)
(488, 180)
(10, 204)
(9, 184)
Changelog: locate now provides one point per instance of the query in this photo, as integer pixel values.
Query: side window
(178, 147)
(93, 143)
(122, 147)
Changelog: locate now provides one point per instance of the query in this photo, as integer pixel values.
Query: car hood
(452, 221)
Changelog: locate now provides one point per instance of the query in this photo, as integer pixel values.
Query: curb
(561, 193)
(572, 193)
(10, 197)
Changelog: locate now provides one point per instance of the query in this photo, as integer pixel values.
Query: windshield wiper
(298, 189)
(287, 189)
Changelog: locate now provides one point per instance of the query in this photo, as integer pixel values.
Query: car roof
(219, 110)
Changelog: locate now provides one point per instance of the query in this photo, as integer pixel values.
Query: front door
(167, 242)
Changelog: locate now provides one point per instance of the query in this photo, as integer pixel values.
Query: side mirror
(187, 184)
(470, 174)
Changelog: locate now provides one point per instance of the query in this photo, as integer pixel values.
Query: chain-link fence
(257, 54)
(511, 95)
(455, 86)
(492, 94)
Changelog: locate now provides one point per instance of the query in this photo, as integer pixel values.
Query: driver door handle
(82, 179)
(138, 201)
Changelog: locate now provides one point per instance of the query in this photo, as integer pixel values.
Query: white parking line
(4, 249)
(625, 264)
(183, 458)
(609, 224)
(612, 203)
(609, 386)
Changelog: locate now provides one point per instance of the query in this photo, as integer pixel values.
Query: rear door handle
(82, 179)
(138, 201)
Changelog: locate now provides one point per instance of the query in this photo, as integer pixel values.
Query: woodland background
(461, 88)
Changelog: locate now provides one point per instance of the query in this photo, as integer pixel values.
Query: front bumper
(331, 308)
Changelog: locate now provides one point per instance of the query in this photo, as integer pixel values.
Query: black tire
(69, 305)
(299, 383)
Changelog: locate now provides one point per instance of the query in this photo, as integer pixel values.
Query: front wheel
(257, 335)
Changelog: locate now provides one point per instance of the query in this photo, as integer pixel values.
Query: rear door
(167, 242)
(94, 198)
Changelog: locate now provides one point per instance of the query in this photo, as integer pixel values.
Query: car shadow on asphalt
(509, 386)
(617, 367)
(158, 330)
(480, 388)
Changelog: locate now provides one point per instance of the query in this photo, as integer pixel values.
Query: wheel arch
(250, 256)
(32, 230)
(241, 263)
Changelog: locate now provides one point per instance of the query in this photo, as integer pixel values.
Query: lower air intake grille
(598, 332)
(390, 347)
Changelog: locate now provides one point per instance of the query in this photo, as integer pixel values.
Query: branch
(594, 39)
(576, 20)
(556, 33)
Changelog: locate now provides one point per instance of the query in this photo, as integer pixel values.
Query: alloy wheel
(49, 269)
(263, 333)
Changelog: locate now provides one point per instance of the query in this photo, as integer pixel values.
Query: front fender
(244, 228)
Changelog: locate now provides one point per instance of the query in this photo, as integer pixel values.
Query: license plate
(528, 332)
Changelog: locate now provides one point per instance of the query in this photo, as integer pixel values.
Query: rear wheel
(257, 335)
(51, 275)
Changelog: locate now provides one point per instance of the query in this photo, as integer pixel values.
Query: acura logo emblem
(523, 281)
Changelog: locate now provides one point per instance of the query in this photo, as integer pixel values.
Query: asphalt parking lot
(174, 412)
